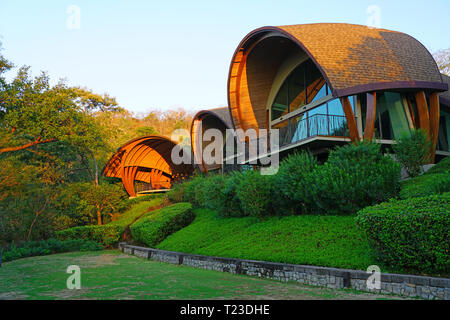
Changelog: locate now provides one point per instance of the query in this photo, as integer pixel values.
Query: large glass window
(391, 121)
(304, 85)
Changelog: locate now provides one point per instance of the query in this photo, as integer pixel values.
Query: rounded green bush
(411, 234)
(158, 225)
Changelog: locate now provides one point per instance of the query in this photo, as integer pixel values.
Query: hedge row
(107, 235)
(45, 247)
(110, 234)
(425, 185)
(355, 176)
(411, 234)
(155, 227)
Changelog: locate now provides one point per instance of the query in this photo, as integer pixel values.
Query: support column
(370, 115)
(434, 121)
(422, 110)
(351, 121)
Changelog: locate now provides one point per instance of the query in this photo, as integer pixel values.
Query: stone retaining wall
(406, 285)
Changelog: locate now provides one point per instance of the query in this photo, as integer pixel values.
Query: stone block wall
(406, 285)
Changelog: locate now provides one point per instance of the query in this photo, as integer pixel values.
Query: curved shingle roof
(352, 58)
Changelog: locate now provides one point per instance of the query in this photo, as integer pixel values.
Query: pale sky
(169, 54)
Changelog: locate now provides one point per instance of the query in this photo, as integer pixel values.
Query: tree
(442, 58)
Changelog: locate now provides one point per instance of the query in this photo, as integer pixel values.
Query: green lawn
(113, 275)
(333, 241)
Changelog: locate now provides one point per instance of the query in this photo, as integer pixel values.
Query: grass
(136, 211)
(113, 275)
(332, 241)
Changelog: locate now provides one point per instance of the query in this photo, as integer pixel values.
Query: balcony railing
(315, 125)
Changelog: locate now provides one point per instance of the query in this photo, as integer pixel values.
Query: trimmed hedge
(45, 247)
(107, 235)
(155, 227)
(442, 166)
(425, 185)
(411, 234)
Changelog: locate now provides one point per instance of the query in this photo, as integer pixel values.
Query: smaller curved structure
(146, 159)
(208, 119)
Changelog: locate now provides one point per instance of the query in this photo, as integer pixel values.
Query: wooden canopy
(146, 159)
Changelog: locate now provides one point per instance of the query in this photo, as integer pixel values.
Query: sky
(171, 54)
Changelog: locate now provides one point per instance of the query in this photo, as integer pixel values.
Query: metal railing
(315, 125)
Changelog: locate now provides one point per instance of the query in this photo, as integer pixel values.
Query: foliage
(92, 202)
(107, 235)
(442, 166)
(354, 177)
(413, 151)
(229, 204)
(442, 58)
(292, 183)
(254, 192)
(410, 234)
(45, 247)
(332, 241)
(155, 227)
(425, 185)
(140, 206)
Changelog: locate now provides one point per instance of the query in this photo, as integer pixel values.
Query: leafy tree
(442, 58)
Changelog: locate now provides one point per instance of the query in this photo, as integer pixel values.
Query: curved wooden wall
(146, 159)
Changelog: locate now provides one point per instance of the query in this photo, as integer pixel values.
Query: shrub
(229, 204)
(425, 185)
(292, 184)
(413, 151)
(355, 176)
(442, 167)
(212, 186)
(107, 235)
(153, 228)
(410, 234)
(255, 194)
(45, 247)
(193, 191)
(176, 193)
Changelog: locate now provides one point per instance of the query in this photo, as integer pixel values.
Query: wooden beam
(422, 110)
(351, 121)
(370, 115)
(434, 121)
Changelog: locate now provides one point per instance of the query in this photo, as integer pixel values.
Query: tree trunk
(99, 216)
(96, 170)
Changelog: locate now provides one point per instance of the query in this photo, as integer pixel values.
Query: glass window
(391, 122)
(443, 143)
(297, 94)
(280, 105)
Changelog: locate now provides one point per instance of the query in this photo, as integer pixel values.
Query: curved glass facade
(306, 86)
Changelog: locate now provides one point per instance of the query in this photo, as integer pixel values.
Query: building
(327, 84)
(146, 164)
(322, 85)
